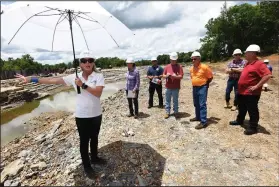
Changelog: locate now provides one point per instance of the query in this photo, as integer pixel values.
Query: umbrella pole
(70, 22)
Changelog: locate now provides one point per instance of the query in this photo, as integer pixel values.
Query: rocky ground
(152, 150)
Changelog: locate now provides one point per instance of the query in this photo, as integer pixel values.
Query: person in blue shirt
(266, 61)
(154, 74)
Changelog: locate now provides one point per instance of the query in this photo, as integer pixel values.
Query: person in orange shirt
(201, 76)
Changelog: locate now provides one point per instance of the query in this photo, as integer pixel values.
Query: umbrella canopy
(45, 25)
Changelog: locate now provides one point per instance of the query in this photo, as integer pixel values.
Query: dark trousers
(158, 88)
(248, 103)
(88, 129)
(135, 101)
(232, 84)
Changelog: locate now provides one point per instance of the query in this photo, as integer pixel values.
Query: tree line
(27, 63)
(30, 66)
(236, 27)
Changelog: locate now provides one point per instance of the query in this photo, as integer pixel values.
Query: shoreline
(15, 105)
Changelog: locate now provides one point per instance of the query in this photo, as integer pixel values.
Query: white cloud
(159, 27)
(138, 15)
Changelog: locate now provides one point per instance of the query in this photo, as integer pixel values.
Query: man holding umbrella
(154, 74)
(88, 108)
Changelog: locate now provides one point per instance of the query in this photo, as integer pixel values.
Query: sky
(160, 27)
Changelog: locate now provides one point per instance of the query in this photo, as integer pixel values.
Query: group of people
(234, 69)
(201, 76)
(247, 80)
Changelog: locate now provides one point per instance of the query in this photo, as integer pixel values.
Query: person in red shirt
(255, 73)
(173, 73)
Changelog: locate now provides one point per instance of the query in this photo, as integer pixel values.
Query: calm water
(12, 122)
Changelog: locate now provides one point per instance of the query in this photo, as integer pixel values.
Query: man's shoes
(250, 131)
(89, 172)
(161, 106)
(234, 108)
(130, 115)
(227, 105)
(167, 116)
(136, 116)
(201, 126)
(98, 160)
(149, 106)
(176, 115)
(194, 119)
(235, 123)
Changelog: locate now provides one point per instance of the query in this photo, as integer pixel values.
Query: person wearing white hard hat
(253, 76)
(132, 87)
(234, 69)
(154, 74)
(201, 76)
(88, 113)
(173, 73)
(266, 61)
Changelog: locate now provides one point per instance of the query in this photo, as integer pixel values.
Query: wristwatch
(84, 86)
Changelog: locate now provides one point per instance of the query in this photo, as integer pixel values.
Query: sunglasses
(193, 59)
(237, 55)
(84, 60)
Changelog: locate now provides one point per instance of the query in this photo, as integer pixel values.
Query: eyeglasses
(84, 60)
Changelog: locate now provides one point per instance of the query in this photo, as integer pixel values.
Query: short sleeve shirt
(171, 69)
(269, 67)
(87, 105)
(250, 76)
(155, 71)
(200, 75)
(236, 64)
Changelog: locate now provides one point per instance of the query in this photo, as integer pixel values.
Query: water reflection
(12, 122)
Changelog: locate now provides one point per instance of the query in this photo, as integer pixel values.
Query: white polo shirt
(87, 105)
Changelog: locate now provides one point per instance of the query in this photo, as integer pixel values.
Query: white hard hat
(173, 56)
(153, 59)
(266, 60)
(195, 53)
(130, 61)
(237, 51)
(253, 48)
(86, 54)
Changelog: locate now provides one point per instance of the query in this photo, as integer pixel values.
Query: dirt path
(161, 151)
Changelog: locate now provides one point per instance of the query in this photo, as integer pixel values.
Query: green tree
(240, 26)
